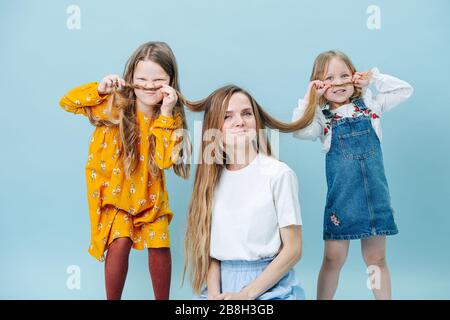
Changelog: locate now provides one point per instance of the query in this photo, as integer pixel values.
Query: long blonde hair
(198, 232)
(124, 103)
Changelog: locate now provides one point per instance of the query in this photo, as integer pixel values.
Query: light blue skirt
(236, 274)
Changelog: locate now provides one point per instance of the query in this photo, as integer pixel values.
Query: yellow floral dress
(137, 207)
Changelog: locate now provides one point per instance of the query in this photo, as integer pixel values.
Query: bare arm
(288, 256)
(213, 279)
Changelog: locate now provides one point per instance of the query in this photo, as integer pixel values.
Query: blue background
(267, 47)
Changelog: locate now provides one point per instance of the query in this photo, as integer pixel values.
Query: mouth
(339, 91)
(238, 131)
(150, 92)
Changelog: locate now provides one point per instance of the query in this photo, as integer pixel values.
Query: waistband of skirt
(245, 264)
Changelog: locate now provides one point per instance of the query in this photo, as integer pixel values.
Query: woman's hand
(109, 82)
(213, 296)
(233, 296)
(169, 100)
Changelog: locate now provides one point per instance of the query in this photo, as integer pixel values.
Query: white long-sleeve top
(390, 93)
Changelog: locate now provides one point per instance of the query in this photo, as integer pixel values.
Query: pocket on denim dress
(357, 145)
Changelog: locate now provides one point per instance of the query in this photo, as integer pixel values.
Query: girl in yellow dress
(139, 123)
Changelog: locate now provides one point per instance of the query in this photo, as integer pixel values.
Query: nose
(238, 121)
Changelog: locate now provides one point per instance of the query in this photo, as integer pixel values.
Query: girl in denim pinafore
(345, 115)
(358, 202)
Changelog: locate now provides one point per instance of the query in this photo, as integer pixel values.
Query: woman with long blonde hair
(243, 234)
(137, 122)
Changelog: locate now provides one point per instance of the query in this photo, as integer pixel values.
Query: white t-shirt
(250, 206)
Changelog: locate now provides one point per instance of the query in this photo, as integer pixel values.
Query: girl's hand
(109, 82)
(169, 100)
(320, 87)
(361, 79)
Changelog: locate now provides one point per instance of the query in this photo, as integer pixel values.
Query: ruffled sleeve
(390, 92)
(85, 97)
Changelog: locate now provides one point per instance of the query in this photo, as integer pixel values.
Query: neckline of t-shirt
(247, 167)
(341, 107)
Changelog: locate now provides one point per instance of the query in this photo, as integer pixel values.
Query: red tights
(116, 268)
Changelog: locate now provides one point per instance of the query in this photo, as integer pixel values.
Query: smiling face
(338, 73)
(150, 75)
(239, 127)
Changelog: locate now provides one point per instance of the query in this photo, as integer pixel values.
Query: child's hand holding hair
(361, 79)
(169, 100)
(109, 82)
(319, 87)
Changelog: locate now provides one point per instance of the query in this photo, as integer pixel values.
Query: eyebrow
(245, 109)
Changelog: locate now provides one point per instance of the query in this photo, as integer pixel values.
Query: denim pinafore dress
(358, 203)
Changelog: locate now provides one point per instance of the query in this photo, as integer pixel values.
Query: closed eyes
(245, 113)
(156, 80)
